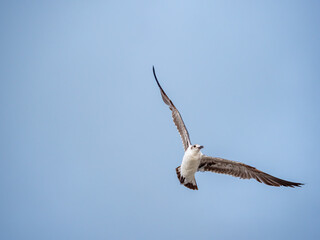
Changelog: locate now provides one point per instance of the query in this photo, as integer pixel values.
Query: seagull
(195, 161)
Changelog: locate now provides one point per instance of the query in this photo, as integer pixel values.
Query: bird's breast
(190, 164)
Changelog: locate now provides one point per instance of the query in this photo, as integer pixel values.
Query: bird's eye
(194, 146)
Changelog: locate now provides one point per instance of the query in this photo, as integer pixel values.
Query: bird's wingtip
(155, 76)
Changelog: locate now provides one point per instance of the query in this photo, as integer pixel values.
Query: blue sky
(89, 150)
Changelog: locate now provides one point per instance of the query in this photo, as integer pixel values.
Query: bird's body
(190, 165)
(190, 162)
(194, 161)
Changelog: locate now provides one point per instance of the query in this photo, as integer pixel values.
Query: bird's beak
(200, 147)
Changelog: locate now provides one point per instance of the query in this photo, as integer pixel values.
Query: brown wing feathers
(237, 169)
(177, 119)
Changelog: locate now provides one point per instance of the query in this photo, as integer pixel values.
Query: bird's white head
(195, 148)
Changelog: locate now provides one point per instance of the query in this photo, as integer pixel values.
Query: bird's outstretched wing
(237, 169)
(177, 119)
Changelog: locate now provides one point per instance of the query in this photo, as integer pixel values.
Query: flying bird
(194, 160)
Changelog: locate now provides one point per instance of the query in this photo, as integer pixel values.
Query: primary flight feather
(194, 161)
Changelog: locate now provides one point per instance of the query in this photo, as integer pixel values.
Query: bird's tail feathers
(189, 184)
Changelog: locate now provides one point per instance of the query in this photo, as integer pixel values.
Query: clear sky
(89, 150)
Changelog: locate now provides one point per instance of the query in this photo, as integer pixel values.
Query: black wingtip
(155, 76)
(154, 73)
(300, 184)
(291, 184)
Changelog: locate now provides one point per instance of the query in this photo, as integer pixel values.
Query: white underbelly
(189, 166)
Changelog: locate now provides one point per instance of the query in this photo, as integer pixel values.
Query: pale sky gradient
(89, 150)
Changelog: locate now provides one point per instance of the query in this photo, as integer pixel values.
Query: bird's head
(195, 147)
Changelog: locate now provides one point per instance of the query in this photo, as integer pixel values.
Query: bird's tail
(192, 184)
